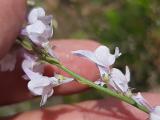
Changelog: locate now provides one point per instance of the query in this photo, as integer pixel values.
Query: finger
(79, 65)
(108, 109)
(15, 88)
(12, 14)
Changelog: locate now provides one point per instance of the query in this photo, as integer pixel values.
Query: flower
(40, 28)
(40, 84)
(142, 101)
(155, 113)
(8, 62)
(118, 81)
(101, 56)
(111, 76)
(104, 59)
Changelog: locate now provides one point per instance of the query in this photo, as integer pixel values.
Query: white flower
(142, 101)
(155, 113)
(8, 62)
(101, 56)
(118, 81)
(104, 59)
(40, 84)
(40, 28)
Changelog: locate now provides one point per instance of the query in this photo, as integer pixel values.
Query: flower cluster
(113, 77)
(39, 30)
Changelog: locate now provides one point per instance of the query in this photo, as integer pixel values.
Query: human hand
(14, 89)
(12, 14)
(107, 109)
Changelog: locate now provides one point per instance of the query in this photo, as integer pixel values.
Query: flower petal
(37, 86)
(24, 32)
(33, 73)
(43, 100)
(119, 79)
(103, 70)
(104, 56)
(90, 55)
(155, 113)
(47, 20)
(48, 33)
(127, 75)
(35, 14)
(154, 117)
(117, 53)
(38, 27)
(140, 100)
(8, 62)
(47, 92)
(35, 31)
(157, 110)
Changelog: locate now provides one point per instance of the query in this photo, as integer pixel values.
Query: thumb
(79, 65)
(12, 14)
(16, 88)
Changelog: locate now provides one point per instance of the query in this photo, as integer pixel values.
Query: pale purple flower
(142, 101)
(104, 59)
(155, 113)
(119, 81)
(101, 56)
(8, 62)
(40, 84)
(39, 29)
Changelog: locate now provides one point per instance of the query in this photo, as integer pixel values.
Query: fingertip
(12, 14)
(110, 108)
(79, 65)
(16, 88)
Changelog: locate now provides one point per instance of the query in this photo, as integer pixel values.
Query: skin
(12, 16)
(107, 109)
(14, 89)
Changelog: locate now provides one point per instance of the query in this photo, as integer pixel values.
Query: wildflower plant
(34, 39)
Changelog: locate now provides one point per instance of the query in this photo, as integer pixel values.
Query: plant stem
(48, 58)
(126, 99)
(110, 92)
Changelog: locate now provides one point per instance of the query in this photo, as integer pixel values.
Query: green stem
(47, 58)
(126, 99)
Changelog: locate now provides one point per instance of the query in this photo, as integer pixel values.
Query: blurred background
(132, 25)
